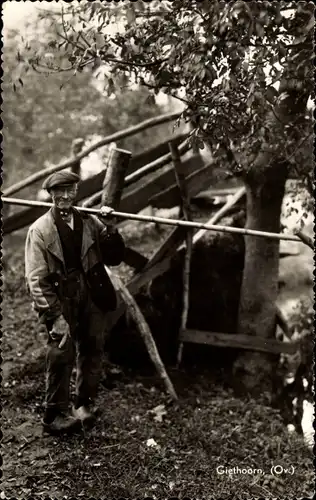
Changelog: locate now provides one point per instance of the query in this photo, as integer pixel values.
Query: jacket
(45, 270)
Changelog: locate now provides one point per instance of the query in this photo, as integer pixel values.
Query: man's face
(64, 196)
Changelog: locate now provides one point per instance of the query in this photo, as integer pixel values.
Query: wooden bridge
(167, 175)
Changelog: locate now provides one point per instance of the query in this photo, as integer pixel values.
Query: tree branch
(130, 63)
(84, 39)
(80, 47)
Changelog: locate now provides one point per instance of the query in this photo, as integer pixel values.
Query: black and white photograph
(157, 253)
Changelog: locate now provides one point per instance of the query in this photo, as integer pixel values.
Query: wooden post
(113, 183)
(186, 209)
(113, 186)
(76, 148)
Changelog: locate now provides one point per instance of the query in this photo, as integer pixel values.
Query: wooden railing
(107, 140)
(146, 162)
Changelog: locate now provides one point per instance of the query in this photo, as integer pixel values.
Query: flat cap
(63, 178)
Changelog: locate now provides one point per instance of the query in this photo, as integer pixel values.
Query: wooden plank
(168, 247)
(112, 190)
(196, 181)
(138, 198)
(152, 154)
(238, 341)
(89, 186)
(21, 219)
(214, 192)
(135, 259)
(305, 238)
(94, 183)
(113, 183)
(144, 330)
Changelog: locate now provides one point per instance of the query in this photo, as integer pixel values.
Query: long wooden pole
(144, 330)
(107, 140)
(186, 209)
(305, 239)
(162, 220)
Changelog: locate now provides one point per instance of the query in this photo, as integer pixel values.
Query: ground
(143, 444)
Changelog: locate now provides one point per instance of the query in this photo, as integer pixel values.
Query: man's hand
(60, 331)
(105, 211)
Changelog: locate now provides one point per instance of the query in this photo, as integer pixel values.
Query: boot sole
(57, 432)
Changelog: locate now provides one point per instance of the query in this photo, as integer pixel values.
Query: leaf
(159, 412)
(130, 15)
(222, 71)
(197, 142)
(259, 30)
(271, 94)
(150, 99)
(251, 90)
(165, 77)
(282, 50)
(111, 87)
(52, 44)
(185, 34)
(203, 73)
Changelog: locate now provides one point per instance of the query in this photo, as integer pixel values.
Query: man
(65, 253)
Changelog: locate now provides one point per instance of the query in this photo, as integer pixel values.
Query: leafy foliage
(237, 62)
(36, 127)
(43, 111)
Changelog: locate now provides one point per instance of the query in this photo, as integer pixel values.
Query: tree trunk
(257, 309)
(260, 278)
(265, 182)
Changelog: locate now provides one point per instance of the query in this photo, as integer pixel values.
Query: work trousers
(84, 345)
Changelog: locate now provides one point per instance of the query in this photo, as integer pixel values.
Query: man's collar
(63, 213)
